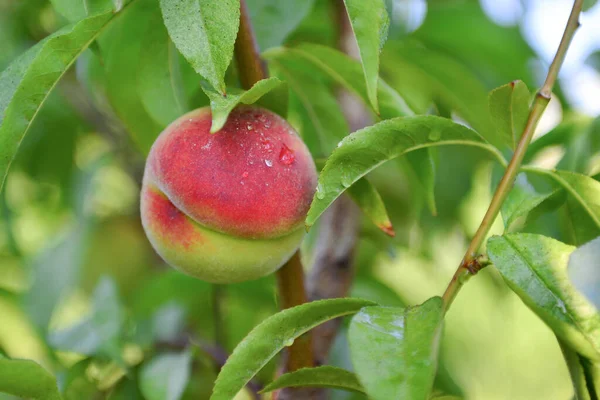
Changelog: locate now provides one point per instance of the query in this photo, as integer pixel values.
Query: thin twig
(542, 99)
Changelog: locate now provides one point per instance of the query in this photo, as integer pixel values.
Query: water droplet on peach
(245, 174)
(286, 155)
(268, 163)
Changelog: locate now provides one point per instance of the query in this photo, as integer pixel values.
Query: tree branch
(465, 271)
(290, 277)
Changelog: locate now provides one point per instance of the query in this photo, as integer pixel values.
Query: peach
(229, 206)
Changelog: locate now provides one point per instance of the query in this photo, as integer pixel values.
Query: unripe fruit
(230, 206)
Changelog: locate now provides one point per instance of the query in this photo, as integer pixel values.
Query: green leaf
(162, 76)
(587, 4)
(99, 332)
(166, 376)
(25, 378)
(509, 108)
(55, 271)
(576, 371)
(346, 72)
(313, 109)
(325, 376)
(369, 201)
(368, 148)
(584, 272)
(121, 53)
(274, 20)
(271, 336)
(424, 77)
(75, 10)
(583, 202)
(521, 200)
(463, 31)
(395, 350)
(535, 267)
(26, 83)
(370, 23)
(204, 31)
(221, 106)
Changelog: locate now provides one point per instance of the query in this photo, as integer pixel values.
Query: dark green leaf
(345, 71)
(369, 201)
(25, 378)
(464, 32)
(162, 77)
(121, 50)
(424, 77)
(271, 336)
(368, 148)
(521, 200)
(509, 109)
(577, 373)
(221, 106)
(535, 267)
(370, 23)
(583, 202)
(26, 83)
(313, 109)
(274, 20)
(204, 31)
(98, 332)
(325, 376)
(395, 350)
(166, 376)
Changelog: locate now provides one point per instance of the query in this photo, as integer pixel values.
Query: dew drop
(289, 342)
(245, 174)
(286, 155)
(268, 163)
(346, 181)
(320, 194)
(249, 127)
(435, 135)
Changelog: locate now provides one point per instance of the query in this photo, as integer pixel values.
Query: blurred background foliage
(83, 293)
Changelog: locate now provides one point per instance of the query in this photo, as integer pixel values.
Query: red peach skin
(230, 206)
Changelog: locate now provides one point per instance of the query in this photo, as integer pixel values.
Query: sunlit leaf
(395, 350)
(25, 378)
(535, 267)
(509, 109)
(370, 23)
(369, 201)
(166, 376)
(204, 31)
(75, 10)
(271, 336)
(325, 377)
(366, 149)
(221, 106)
(26, 83)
